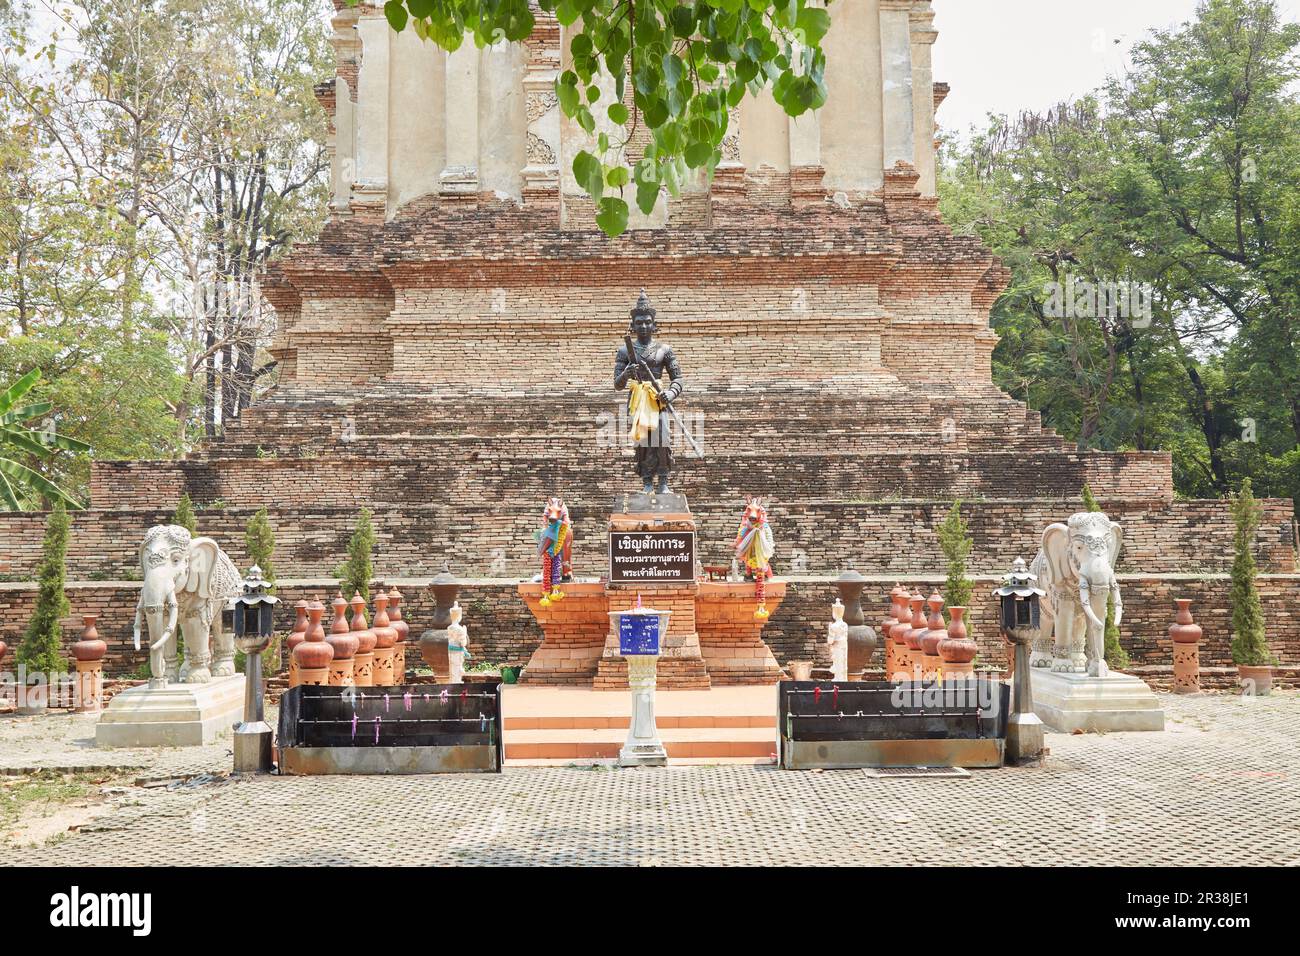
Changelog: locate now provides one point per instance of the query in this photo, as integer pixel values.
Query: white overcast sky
(1002, 56)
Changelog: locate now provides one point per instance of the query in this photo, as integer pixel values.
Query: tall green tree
(42, 644)
(1181, 177)
(1249, 640)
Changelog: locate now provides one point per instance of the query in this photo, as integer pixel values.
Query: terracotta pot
(1184, 630)
(90, 647)
(1256, 679)
(364, 661)
(957, 647)
(934, 627)
(299, 632)
(385, 633)
(340, 637)
(312, 655)
(898, 633)
(912, 636)
(801, 670)
(4, 648)
(395, 616)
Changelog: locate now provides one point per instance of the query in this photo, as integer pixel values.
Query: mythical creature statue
(555, 548)
(1076, 567)
(189, 581)
(754, 547)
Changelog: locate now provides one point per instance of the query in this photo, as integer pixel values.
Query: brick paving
(1217, 787)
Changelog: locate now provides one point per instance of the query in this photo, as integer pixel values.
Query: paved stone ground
(1216, 788)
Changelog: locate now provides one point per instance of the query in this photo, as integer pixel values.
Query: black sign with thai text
(651, 557)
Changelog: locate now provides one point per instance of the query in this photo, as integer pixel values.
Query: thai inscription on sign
(650, 557)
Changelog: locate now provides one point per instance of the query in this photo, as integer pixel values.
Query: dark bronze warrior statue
(645, 360)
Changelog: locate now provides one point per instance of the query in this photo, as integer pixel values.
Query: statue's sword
(645, 375)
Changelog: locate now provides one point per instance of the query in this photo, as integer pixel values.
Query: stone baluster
(1186, 636)
(957, 649)
(385, 643)
(403, 634)
(296, 637)
(935, 631)
(89, 654)
(363, 668)
(345, 645)
(313, 654)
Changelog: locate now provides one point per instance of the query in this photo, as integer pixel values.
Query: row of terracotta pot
(920, 646)
(359, 653)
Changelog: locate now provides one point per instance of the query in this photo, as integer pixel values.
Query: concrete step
(565, 724)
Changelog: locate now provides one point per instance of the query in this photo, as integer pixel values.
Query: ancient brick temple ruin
(446, 349)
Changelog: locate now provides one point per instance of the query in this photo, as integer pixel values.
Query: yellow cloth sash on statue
(643, 409)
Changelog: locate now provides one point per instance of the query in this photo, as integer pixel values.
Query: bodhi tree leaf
(689, 62)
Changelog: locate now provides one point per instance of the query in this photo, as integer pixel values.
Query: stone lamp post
(1018, 617)
(254, 626)
(641, 632)
(862, 638)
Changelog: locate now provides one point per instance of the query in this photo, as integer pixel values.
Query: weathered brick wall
(496, 539)
(502, 630)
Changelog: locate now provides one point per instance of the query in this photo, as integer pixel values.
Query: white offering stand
(643, 747)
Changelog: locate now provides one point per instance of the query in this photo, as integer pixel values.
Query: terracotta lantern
(345, 645)
(296, 636)
(385, 643)
(935, 631)
(956, 649)
(912, 636)
(89, 653)
(898, 637)
(363, 667)
(313, 655)
(1186, 636)
(403, 634)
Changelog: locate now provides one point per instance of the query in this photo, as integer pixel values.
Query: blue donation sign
(638, 634)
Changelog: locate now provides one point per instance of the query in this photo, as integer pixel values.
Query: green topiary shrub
(355, 573)
(1249, 641)
(42, 645)
(956, 543)
(259, 543)
(1116, 656)
(184, 514)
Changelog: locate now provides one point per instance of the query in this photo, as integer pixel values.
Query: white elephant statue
(187, 581)
(1076, 567)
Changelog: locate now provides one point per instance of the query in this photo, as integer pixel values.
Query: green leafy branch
(689, 63)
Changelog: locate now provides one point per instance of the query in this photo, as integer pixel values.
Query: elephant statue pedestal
(1070, 701)
(177, 715)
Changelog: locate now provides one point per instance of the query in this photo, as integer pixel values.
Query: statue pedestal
(643, 747)
(652, 562)
(1069, 702)
(178, 715)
